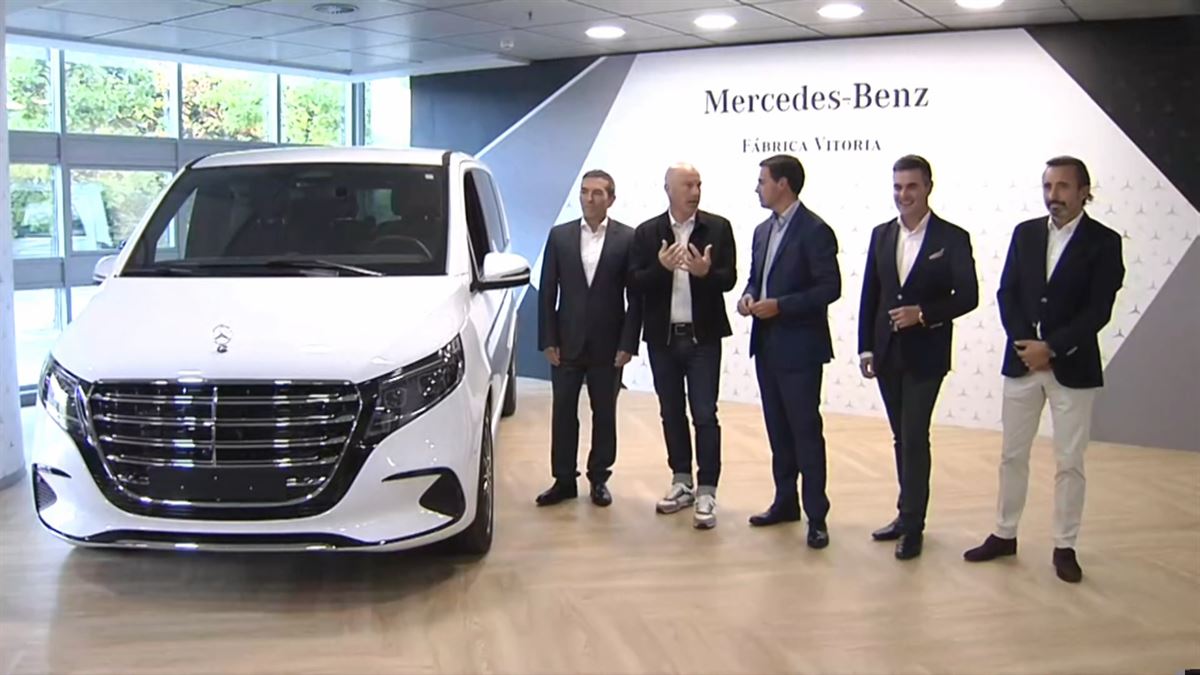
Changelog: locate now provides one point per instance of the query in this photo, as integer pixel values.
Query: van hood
(272, 328)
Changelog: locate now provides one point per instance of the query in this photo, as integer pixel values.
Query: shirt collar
(920, 226)
(787, 215)
(1067, 229)
(690, 222)
(603, 226)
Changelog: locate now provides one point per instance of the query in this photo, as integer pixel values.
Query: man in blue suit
(794, 277)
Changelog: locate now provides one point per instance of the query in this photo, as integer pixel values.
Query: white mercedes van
(298, 349)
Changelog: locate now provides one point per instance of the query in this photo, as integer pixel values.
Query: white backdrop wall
(986, 108)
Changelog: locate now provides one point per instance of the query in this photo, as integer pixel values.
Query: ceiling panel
(748, 18)
(428, 25)
(67, 24)
(525, 45)
(341, 37)
(245, 22)
(260, 49)
(135, 10)
(530, 13)
(634, 30)
(943, 7)
(1125, 9)
(659, 43)
(13, 6)
(367, 9)
(848, 28)
(177, 37)
(789, 32)
(989, 19)
(423, 51)
(635, 7)
(805, 11)
(345, 62)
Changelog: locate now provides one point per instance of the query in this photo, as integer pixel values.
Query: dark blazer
(574, 316)
(654, 282)
(805, 279)
(942, 282)
(1071, 308)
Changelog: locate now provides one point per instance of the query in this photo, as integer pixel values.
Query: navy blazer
(942, 282)
(1068, 310)
(805, 279)
(603, 317)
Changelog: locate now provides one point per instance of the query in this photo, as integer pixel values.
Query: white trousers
(1071, 415)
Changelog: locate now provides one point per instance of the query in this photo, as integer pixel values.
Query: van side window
(492, 215)
(476, 224)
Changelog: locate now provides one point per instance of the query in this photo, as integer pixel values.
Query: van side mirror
(104, 268)
(503, 270)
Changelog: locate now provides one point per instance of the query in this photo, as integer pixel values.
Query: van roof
(339, 155)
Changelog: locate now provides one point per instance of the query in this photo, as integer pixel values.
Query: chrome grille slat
(307, 421)
(222, 444)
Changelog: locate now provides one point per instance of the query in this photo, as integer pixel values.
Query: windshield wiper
(319, 264)
(161, 271)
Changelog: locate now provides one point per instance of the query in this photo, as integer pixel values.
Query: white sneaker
(678, 498)
(706, 513)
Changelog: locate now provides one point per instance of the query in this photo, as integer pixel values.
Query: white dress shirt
(591, 245)
(908, 246)
(681, 285)
(1057, 242)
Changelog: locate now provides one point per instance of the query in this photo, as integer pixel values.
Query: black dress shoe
(909, 546)
(1067, 566)
(559, 492)
(993, 547)
(600, 494)
(773, 516)
(818, 537)
(889, 532)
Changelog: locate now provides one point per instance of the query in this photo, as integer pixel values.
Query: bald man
(683, 266)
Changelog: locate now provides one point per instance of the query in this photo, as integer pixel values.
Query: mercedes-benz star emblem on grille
(222, 336)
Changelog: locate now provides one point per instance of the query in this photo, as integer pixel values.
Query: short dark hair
(598, 173)
(786, 166)
(910, 162)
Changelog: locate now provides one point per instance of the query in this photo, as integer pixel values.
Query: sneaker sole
(704, 525)
(666, 510)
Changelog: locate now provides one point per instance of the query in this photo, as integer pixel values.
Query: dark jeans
(603, 384)
(699, 365)
(909, 401)
(791, 402)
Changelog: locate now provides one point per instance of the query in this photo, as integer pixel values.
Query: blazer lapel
(574, 255)
(1072, 249)
(605, 249)
(929, 245)
(886, 255)
(1041, 244)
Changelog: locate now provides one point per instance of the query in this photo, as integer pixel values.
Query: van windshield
(298, 219)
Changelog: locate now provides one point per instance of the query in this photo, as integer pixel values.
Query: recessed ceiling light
(335, 8)
(605, 32)
(715, 22)
(979, 4)
(840, 10)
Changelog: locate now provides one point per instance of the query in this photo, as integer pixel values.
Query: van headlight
(61, 394)
(407, 393)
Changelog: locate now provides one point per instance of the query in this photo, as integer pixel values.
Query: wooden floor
(578, 589)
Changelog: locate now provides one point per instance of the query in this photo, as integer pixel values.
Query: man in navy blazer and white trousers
(1057, 291)
(794, 277)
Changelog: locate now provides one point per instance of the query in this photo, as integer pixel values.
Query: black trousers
(909, 400)
(603, 383)
(791, 401)
(698, 366)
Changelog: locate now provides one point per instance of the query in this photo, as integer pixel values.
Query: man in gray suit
(588, 321)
